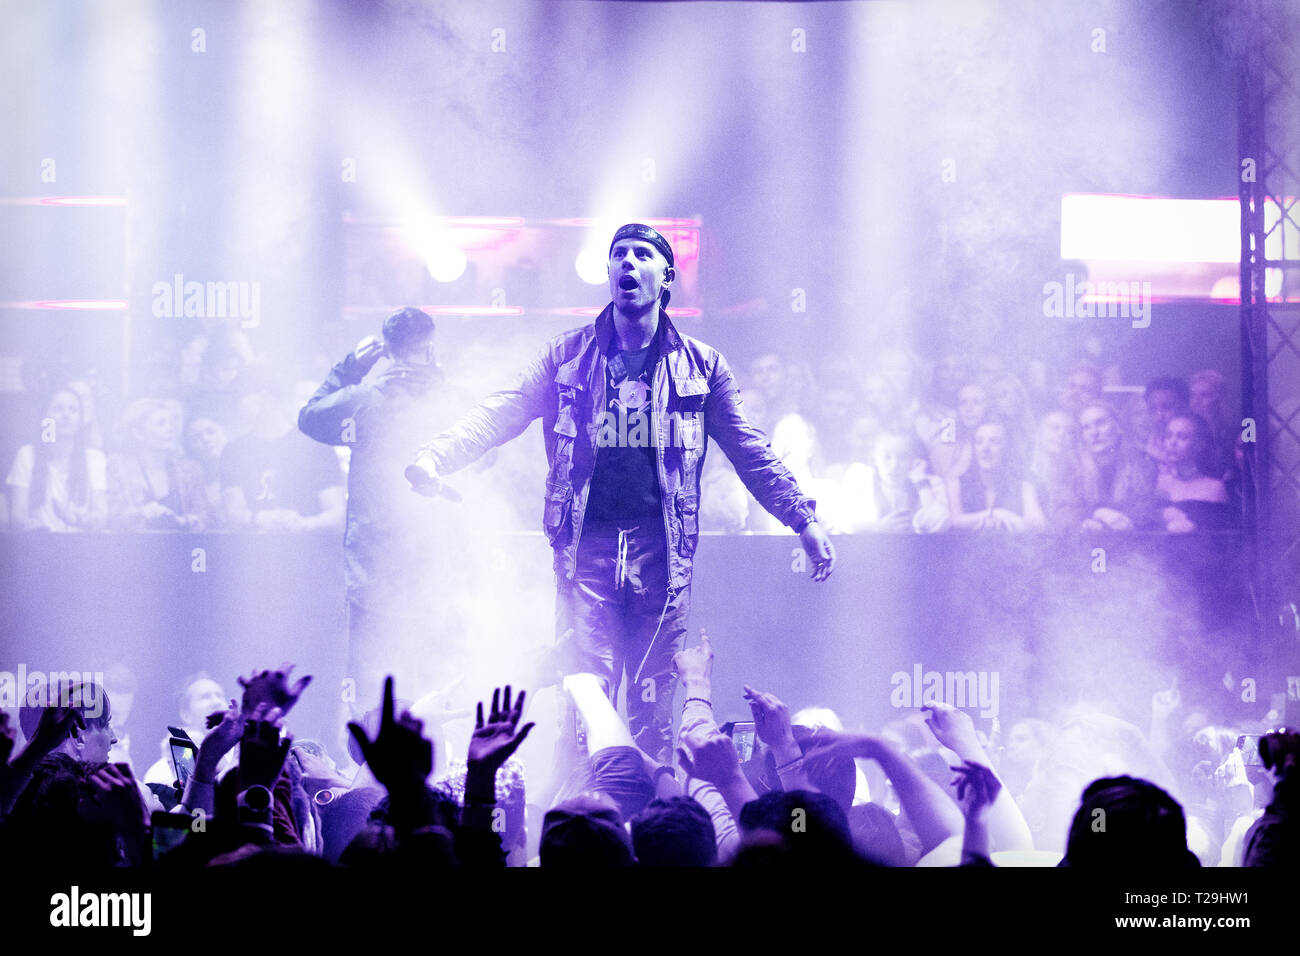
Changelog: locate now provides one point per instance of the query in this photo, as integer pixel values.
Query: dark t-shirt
(286, 472)
(625, 483)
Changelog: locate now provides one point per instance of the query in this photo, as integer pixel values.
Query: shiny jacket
(565, 386)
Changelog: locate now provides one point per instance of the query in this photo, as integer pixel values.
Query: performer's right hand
(423, 476)
(369, 350)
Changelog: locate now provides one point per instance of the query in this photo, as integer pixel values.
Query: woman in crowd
(152, 486)
(898, 494)
(1010, 401)
(1114, 485)
(57, 483)
(993, 493)
(950, 445)
(205, 440)
(1197, 498)
(1053, 461)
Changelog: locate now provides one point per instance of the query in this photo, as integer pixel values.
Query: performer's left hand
(817, 545)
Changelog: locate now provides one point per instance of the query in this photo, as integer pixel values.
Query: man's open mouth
(627, 283)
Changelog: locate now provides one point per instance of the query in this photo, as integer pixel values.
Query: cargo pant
(625, 621)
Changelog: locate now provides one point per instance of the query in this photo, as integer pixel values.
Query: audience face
(1007, 396)
(1023, 747)
(65, 409)
(1083, 386)
(1098, 430)
(222, 369)
(878, 394)
(207, 439)
(1162, 405)
(1181, 441)
(1054, 433)
(863, 435)
(949, 375)
(766, 373)
(899, 372)
(92, 744)
(99, 739)
(86, 396)
(836, 407)
(158, 430)
(1207, 396)
(990, 445)
(202, 697)
(892, 459)
(972, 405)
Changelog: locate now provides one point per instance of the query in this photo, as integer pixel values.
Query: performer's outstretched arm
(497, 419)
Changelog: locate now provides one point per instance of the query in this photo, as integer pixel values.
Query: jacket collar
(665, 337)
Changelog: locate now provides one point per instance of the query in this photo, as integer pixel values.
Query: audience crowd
(898, 444)
(929, 789)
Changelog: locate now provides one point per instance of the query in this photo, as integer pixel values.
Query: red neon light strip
(88, 305)
(64, 201)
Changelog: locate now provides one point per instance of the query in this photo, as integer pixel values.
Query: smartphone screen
(742, 735)
(183, 752)
(1248, 744)
(168, 831)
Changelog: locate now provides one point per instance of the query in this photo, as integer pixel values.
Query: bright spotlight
(591, 265)
(446, 261)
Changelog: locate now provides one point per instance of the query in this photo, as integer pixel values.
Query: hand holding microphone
(423, 476)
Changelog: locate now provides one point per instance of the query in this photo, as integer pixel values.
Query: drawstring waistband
(620, 563)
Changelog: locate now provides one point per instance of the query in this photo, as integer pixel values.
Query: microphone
(421, 478)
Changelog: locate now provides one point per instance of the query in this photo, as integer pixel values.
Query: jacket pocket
(557, 511)
(688, 514)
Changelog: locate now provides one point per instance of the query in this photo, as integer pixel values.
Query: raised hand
(832, 745)
(368, 351)
(952, 727)
(977, 788)
(495, 739)
(436, 705)
(400, 756)
(771, 719)
(262, 751)
(272, 689)
(114, 798)
(695, 663)
(710, 755)
(225, 728)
